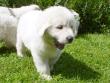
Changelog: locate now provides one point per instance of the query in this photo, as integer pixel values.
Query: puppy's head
(63, 25)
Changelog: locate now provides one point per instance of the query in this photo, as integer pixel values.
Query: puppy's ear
(76, 15)
(76, 21)
(44, 28)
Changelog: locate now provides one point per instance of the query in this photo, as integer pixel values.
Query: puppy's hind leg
(19, 47)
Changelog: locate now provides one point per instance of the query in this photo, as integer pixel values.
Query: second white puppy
(45, 33)
(17, 12)
(8, 22)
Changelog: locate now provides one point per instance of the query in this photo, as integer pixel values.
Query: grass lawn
(86, 60)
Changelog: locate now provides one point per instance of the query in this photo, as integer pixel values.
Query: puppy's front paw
(20, 55)
(46, 77)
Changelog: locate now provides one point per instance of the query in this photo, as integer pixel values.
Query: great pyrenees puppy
(45, 33)
(8, 22)
(17, 12)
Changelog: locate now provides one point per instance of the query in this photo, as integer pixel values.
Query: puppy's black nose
(69, 39)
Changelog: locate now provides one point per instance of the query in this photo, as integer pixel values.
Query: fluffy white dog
(8, 22)
(17, 12)
(45, 33)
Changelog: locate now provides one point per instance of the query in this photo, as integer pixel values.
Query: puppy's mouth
(59, 45)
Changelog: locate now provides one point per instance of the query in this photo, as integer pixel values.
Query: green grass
(86, 60)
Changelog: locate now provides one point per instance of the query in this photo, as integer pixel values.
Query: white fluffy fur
(18, 11)
(8, 22)
(36, 30)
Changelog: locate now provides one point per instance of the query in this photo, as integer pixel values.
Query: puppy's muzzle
(69, 39)
(62, 45)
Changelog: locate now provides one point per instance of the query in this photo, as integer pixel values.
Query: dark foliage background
(94, 14)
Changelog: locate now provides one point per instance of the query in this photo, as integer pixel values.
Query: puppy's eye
(60, 27)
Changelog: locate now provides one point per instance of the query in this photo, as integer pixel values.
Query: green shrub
(95, 14)
(3, 2)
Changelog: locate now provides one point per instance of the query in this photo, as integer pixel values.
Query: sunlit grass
(87, 59)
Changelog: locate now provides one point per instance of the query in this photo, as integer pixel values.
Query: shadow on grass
(70, 68)
(67, 66)
(4, 51)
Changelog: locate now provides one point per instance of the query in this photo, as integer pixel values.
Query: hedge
(94, 14)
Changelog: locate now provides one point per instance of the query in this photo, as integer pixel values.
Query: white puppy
(17, 12)
(8, 22)
(45, 33)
